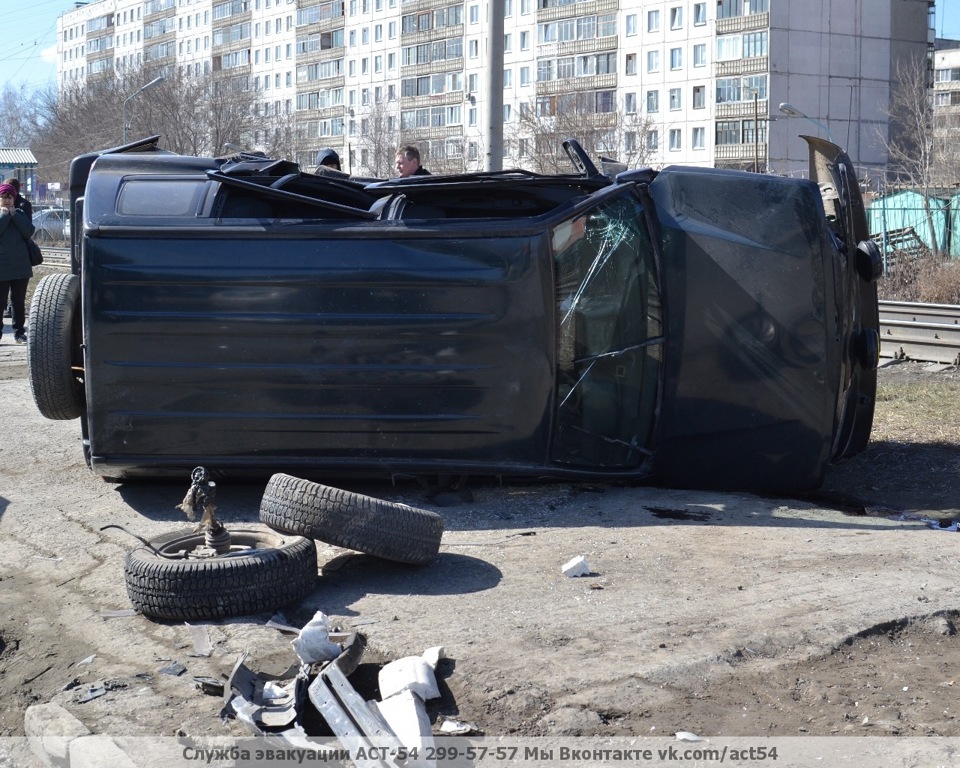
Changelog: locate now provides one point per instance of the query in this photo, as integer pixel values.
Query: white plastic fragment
(313, 643)
(406, 714)
(687, 736)
(457, 728)
(88, 660)
(433, 655)
(201, 640)
(576, 567)
(409, 673)
(272, 690)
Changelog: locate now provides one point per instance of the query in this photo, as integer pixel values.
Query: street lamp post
(141, 89)
(789, 109)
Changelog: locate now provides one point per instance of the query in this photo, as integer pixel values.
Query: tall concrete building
(664, 81)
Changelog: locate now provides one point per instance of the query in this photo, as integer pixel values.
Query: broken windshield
(610, 336)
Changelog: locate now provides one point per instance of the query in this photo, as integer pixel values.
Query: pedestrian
(24, 205)
(328, 158)
(407, 162)
(15, 270)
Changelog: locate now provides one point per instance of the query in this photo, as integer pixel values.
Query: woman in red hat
(15, 270)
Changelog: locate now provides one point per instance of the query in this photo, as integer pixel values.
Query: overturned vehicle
(692, 326)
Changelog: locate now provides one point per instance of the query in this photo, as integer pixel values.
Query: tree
(920, 149)
(536, 140)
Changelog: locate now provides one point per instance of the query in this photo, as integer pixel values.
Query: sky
(30, 29)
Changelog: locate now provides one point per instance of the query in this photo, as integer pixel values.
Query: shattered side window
(159, 197)
(609, 337)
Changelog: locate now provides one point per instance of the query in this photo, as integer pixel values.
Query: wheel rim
(193, 546)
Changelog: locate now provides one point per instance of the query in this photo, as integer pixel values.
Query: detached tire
(54, 348)
(277, 570)
(381, 528)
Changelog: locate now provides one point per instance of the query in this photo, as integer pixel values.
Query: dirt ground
(717, 614)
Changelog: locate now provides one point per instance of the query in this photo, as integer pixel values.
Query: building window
(698, 138)
(474, 14)
(699, 97)
(474, 49)
(653, 102)
(525, 40)
(524, 75)
(631, 23)
(630, 141)
(754, 45)
(653, 61)
(676, 18)
(630, 68)
(700, 55)
(630, 103)
(676, 58)
(653, 21)
(653, 140)
(699, 14)
(675, 140)
(728, 132)
(729, 47)
(508, 78)
(676, 99)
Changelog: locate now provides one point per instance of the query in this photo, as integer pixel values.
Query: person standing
(15, 270)
(407, 162)
(27, 207)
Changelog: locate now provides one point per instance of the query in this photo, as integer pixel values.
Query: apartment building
(657, 82)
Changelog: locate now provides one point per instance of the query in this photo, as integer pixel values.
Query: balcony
(429, 35)
(749, 23)
(589, 8)
(755, 65)
(436, 67)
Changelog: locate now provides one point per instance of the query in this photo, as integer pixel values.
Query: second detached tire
(384, 529)
(54, 354)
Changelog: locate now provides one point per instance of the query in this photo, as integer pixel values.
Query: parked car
(691, 326)
(50, 225)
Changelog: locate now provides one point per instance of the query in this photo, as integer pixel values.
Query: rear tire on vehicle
(277, 570)
(384, 529)
(54, 353)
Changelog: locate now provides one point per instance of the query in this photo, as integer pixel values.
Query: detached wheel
(263, 571)
(385, 529)
(54, 348)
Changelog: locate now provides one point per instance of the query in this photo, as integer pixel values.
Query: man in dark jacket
(407, 162)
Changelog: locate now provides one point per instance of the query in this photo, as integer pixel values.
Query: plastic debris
(209, 685)
(116, 614)
(433, 655)
(174, 668)
(88, 660)
(576, 567)
(457, 728)
(279, 622)
(314, 644)
(687, 736)
(201, 640)
(406, 714)
(409, 673)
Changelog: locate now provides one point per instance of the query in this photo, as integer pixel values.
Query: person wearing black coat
(27, 207)
(15, 270)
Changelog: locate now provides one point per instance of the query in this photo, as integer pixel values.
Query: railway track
(927, 332)
(56, 257)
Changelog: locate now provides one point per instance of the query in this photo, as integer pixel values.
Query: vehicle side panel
(240, 350)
